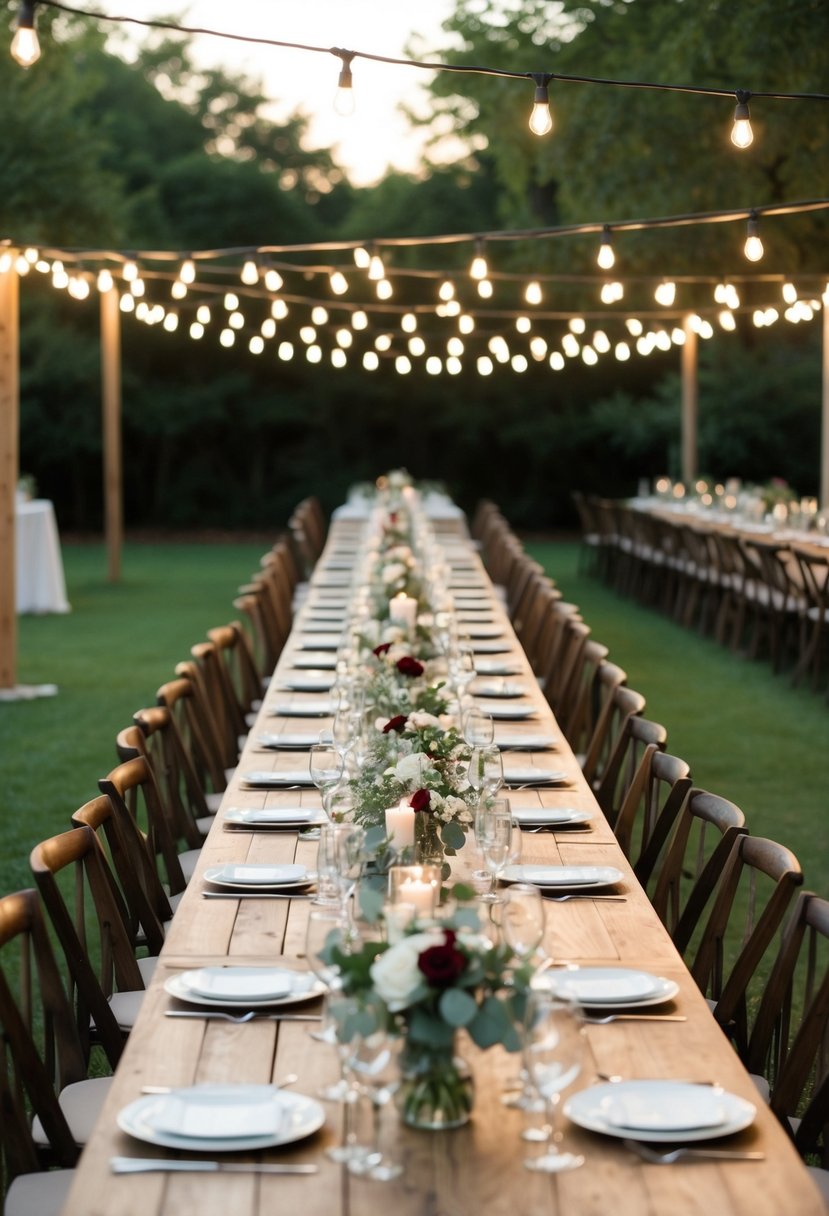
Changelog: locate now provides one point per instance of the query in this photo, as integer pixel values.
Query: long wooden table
(477, 1169)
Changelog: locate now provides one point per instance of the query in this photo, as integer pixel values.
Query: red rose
(407, 666)
(443, 965)
(420, 800)
(398, 723)
(383, 648)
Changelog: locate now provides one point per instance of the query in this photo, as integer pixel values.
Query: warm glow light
(577, 325)
(753, 247)
(25, 47)
(417, 346)
(557, 361)
(359, 320)
(634, 326)
(454, 366)
(434, 366)
(665, 293)
(78, 287)
(523, 325)
(130, 272)
(611, 292)
(662, 339)
(706, 330)
(250, 273)
(231, 301)
(344, 337)
(338, 283)
(606, 258)
(308, 334)
(203, 314)
(362, 258)
(196, 330)
(742, 135)
(455, 347)
(408, 322)
(446, 291)
(402, 365)
(105, 281)
(644, 345)
(532, 294)
(338, 357)
(376, 269)
(30, 255)
(60, 278)
(279, 310)
(678, 336)
(227, 337)
(319, 315)
(178, 290)
(519, 363)
(485, 365)
(726, 319)
(789, 293)
(622, 352)
(498, 347)
(601, 342)
(268, 328)
(314, 354)
(371, 361)
(236, 320)
(127, 303)
(171, 322)
(285, 351)
(273, 280)
(589, 355)
(142, 311)
(137, 288)
(771, 315)
(385, 291)
(570, 345)
(466, 324)
(485, 289)
(538, 348)
(383, 342)
(479, 268)
(187, 271)
(541, 120)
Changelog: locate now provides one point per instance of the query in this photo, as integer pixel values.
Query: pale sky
(376, 135)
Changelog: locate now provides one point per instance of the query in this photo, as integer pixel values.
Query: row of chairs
(754, 941)
(755, 593)
(77, 952)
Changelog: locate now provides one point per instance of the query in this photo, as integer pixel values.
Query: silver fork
(562, 899)
(635, 1017)
(655, 1157)
(240, 1018)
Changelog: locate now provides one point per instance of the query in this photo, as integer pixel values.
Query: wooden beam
(111, 408)
(689, 403)
(824, 437)
(9, 466)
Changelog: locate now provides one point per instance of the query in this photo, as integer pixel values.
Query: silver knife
(252, 895)
(208, 1015)
(148, 1165)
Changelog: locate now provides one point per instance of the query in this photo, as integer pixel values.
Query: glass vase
(436, 1089)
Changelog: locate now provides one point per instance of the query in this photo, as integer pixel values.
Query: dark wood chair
(47, 1102)
(814, 619)
(780, 600)
(627, 773)
(227, 713)
(132, 790)
(154, 734)
(561, 685)
(578, 716)
(183, 698)
(618, 704)
(650, 807)
(236, 652)
(590, 532)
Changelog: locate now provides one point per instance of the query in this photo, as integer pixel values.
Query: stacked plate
(506, 689)
(505, 713)
(248, 987)
(609, 987)
(548, 817)
(252, 876)
(311, 681)
(660, 1110)
(314, 660)
(222, 1118)
(297, 740)
(282, 818)
(516, 774)
(302, 709)
(580, 878)
(525, 743)
(497, 667)
(267, 779)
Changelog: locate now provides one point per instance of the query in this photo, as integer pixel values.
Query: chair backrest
(789, 1042)
(550, 644)
(132, 789)
(181, 793)
(758, 883)
(650, 807)
(560, 688)
(34, 1010)
(229, 718)
(217, 731)
(618, 703)
(251, 603)
(183, 698)
(146, 900)
(691, 864)
(483, 510)
(577, 718)
(627, 772)
(95, 900)
(234, 647)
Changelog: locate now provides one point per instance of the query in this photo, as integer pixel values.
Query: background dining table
(477, 1169)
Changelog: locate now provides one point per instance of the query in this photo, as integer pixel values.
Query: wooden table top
(476, 1169)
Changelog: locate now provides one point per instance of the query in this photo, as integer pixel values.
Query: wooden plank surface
(477, 1169)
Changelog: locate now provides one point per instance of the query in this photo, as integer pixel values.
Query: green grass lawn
(747, 734)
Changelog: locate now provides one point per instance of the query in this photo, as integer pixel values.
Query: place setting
(240, 879)
(235, 988)
(527, 776)
(314, 660)
(314, 680)
(287, 741)
(560, 882)
(273, 819)
(550, 819)
(318, 708)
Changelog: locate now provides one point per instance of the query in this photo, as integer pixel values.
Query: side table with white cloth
(40, 583)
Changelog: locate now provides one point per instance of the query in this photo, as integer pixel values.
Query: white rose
(393, 572)
(393, 633)
(419, 720)
(395, 974)
(409, 768)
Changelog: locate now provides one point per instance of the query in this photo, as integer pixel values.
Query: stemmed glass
(486, 771)
(462, 669)
(522, 925)
(325, 765)
(327, 927)
(338, 1018)
(553, 1055)
(478, 727)
(495, 838)
(340, 858)
(373, 1063)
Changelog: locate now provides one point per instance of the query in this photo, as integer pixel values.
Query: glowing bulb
(319, 315)
(485, 289)
(577, 325)
(178, 290)
(344, 103)
(402, 365)
(726, 320)
(250, 273)
(789, 293)
(227, 337)
(127, 303)
(338, 357)
(362, 258)
(338, 283)
(105, 281)
(454, 365)
(452, 308)
(203, 314)
(570, 345)
(523, 325)
(273, 280)
(187, 273)
(376, 269)
(344, 337)
(519, 363)
(385, 291)
(455, 347)
(279, 310)
(557, 361)
(256, 344)
(678, 336)
(446, 291)
(665, 293)
(753, 247)
(479, 268)
(589, 356)
(359, 320)
(383, 341)
(231, 301)
(285, 351)
(532, 293)
(130, 272)
(417, 346)
(268, 328)
(606, 258)
(466, 324)
(538, 348)
(434, 366)
(196, 330)
(634, 326)
(25, 47)
(371, 360)
(742, 135)
(308, 334)
(314, 354)
(171, 322)
(541, 120)
(485, 366)
(137, 288)
(408, 323)
(236, 320)
(662, 339)
(30, 255)
(601, 342)
(622, 352)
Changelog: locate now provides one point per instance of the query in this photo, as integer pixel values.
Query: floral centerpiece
(428, 986)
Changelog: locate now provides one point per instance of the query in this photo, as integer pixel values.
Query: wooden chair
(650, 807)
(107, 1001)
(788, 1043)
(627, 773)
(561, 683)
(814, 620)
(228, 717)
(218, 730)
(180, 789)
(132, 789)
(483, 510)
(253, 606)
(618, 705)
(234, 649)
(688, 867)
(754, 865)
(541, 592)
(47, 1102)
(590, 532)
(780, 600)
(179, 820)
(184, 699)
(578, 717)
(551, 639)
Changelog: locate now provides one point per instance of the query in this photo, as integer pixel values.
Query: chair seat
(188, 862)
(819, 1177)
(214, 801)
(204, 824)
(81, 1104)
(42, 1194)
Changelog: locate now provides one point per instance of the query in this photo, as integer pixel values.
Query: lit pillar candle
(403, 611)
(400, 825)
(419, 894)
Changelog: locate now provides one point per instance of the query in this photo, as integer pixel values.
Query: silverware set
(212, 1015)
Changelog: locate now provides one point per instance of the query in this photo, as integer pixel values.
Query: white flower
(409, 768)
(395, 974)
(419, 720)
(393, 633)
(393, 572)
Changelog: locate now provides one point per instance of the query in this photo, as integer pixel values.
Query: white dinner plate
(302, 740)
(314, 660)
(503, 689)
(322, 625)
(287, 818)
(473, 630)
(485, 647)
(302, 709)
(313, 681)
(505, 713)
(472, 599)
(610, 987)
(497, 667)
(542, 816)
(563, 876)
(234, 984)
(516, 774)
(525, 743)
(474, 616)
(319, 641)
(661, 1110)
(254, 875)
(300, 1116)
(271, 780)
(304, 987)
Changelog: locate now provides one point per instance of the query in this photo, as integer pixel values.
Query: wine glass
(486, 771)
(338, 802)
(341, 856)
(373, 1064)
(338, 1020)
(478, 727)
(328, 927)
(522, 918)
(496, 836)
(553, 1055)
(325, 765)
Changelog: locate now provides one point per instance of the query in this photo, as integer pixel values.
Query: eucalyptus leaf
(371, 902)
(457, 1007)
(453, 835)
(491, 1024)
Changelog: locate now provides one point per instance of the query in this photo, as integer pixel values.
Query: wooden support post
(9, 462)
(824, 437)
(689, 403)
(111, 407)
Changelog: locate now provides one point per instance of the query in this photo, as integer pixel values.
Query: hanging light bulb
(606, 258)
(25, 47)
(454, 365)
(622, 352)
(383, 342)
(171, 322)
(359, 320)
(344, 103)
(789, 293)
(485, 365)
(196, 330)
(273, 280)
(231, 301)
(557, 361)
(634, 326)
(362, 258)
(417, 346)
(130, 272)
(753, 247)
(256, 344)
(434, 366)
(532, 293)
(665, 293)
(279, 310)
(187, 273)
(479, 268)
(385, 291)
(178, 290)
(577, 325)
(523, 325)
(466, 324)
(541, 120)
(105, 282)
(285, 351)
(455, 347)
(338, 283)
(319, 315)
(203, 314)
(344, 337)
(371, 360)
(250, 273)
(446, 291)
(485, 289)
(376, 269)
(742, 135)
(408, 322)
(338, 357)
(268, 328)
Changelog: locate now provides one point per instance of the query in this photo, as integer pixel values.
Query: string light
(557, 361)
(383, 342)
(171, 322)
(376, 269)
(446, 291)
(753, 248)
(319, 315)
(466, 324)
(479, 268)
(577, 325)
(196, 330)
(570, 345)
(454, 365)
(231, 301)
(538, 348)
(408, 322)
(606, 258)
(273, 280)
(359, 320)
(541, 120)
(789, 292)
(338, 357)
(105, 281)
(129, 272)
(279, 310)
(434, 366)
(742, 135)
(622, 352)
(25, 47)
(523, 325)
(665, 293)
(519, 363)
(314, 354)
(250, 273)
(203, 314)
(344, 337)
(417, 346)
(126, 303)
(338, 283)
(236, 320)
(178, 290)
(726, 319)
(455, 347)
(371, 361)
(344, 103)
(532, 294)
(403, 365)
(227, 337)
(385, 291)
(187, 271)
(485, 289)
(485, 366)
(268, 328)
(285, 351)
(256, 344)
(611, 292)
(362, 258)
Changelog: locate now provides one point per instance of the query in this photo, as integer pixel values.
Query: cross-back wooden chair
(227, 713)
(41, 1059)
(560, 688)
(252, 604)
(526, 613)
(149, 907)
(234, 648)
(484, 508)
(759, 880)
(551, 639)
(108, 995)
(180, 824)
(780, 600)
(541, 592)
(628, 770)
(650, 807)
(789, 1043)
(590, 531)
(178, 784)
(618, 704)
(132, 789)
(183, 698)
(814, 622)
(222, 743)
(577, 718)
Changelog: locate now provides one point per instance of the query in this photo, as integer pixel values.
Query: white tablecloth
(40, 584)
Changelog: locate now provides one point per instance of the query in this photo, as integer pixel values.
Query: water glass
(553, 1054)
